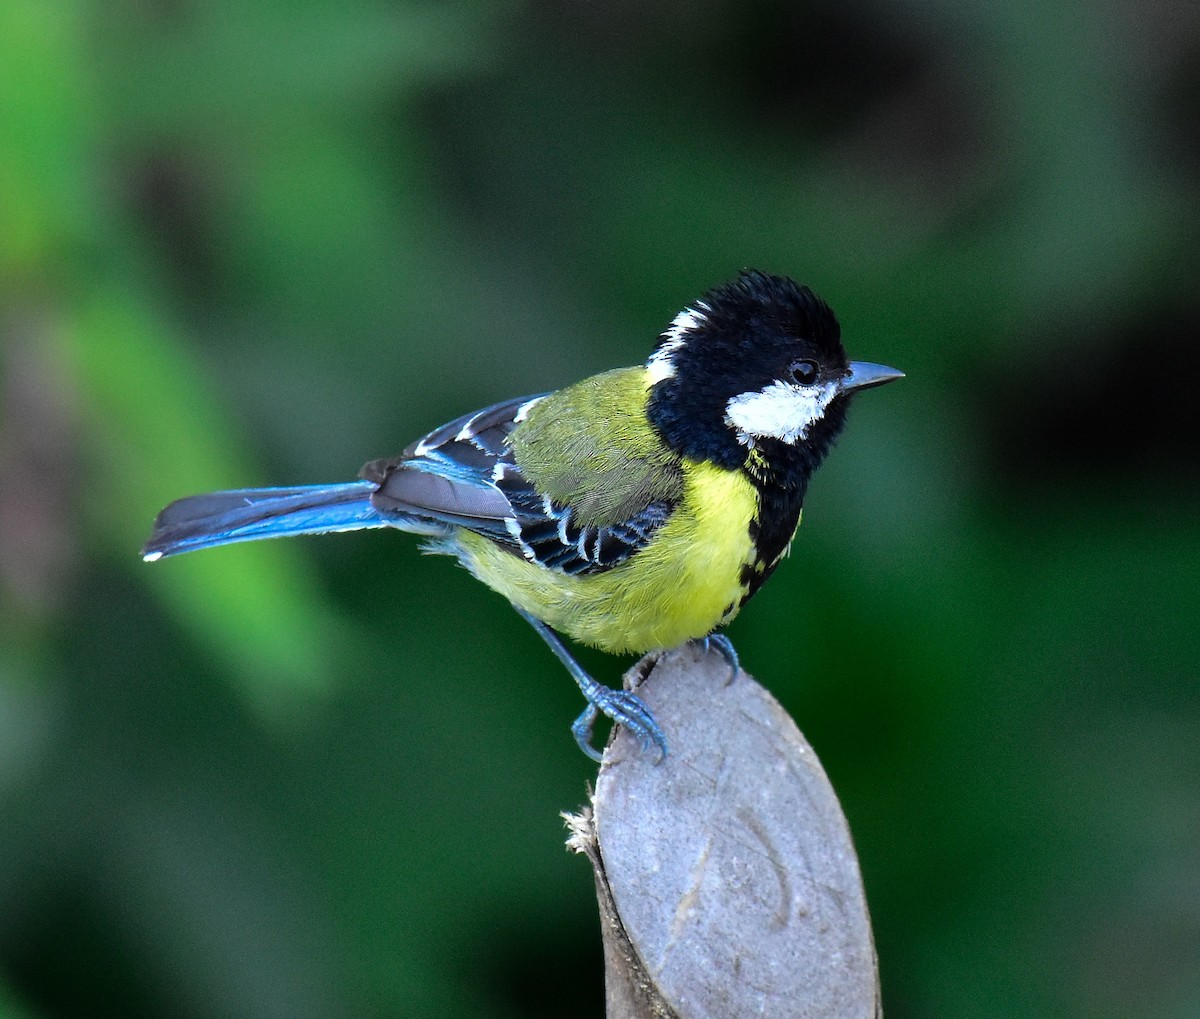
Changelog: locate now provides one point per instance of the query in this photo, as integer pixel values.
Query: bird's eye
(803, 373)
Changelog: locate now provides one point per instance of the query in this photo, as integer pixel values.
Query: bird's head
(756, 363)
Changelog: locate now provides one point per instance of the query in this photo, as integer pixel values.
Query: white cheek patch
(779, 411)
(661, 365)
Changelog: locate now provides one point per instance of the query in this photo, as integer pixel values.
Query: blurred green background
(260, 243)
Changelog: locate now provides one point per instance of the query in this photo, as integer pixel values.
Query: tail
(220, 518)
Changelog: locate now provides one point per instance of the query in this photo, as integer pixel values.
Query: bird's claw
(625, 709)
(725, 646)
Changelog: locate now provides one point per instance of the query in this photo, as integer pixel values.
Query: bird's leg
(725, 646)
(622, 706)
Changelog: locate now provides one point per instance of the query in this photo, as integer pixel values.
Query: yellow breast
(682, 585)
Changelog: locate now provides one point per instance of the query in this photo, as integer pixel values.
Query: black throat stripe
(779, 473)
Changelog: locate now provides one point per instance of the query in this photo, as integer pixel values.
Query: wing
(550, 533)
(464, 475)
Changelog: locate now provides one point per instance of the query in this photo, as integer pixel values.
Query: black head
(755, 363)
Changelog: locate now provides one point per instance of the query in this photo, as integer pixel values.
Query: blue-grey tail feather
(220, 518)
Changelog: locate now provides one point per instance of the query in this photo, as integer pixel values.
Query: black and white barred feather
(464, 474)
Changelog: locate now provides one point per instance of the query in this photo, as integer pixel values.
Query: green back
(591, 447)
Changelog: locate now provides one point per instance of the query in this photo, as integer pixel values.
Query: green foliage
(262, 243)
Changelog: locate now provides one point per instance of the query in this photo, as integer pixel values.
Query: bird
(636, 510)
